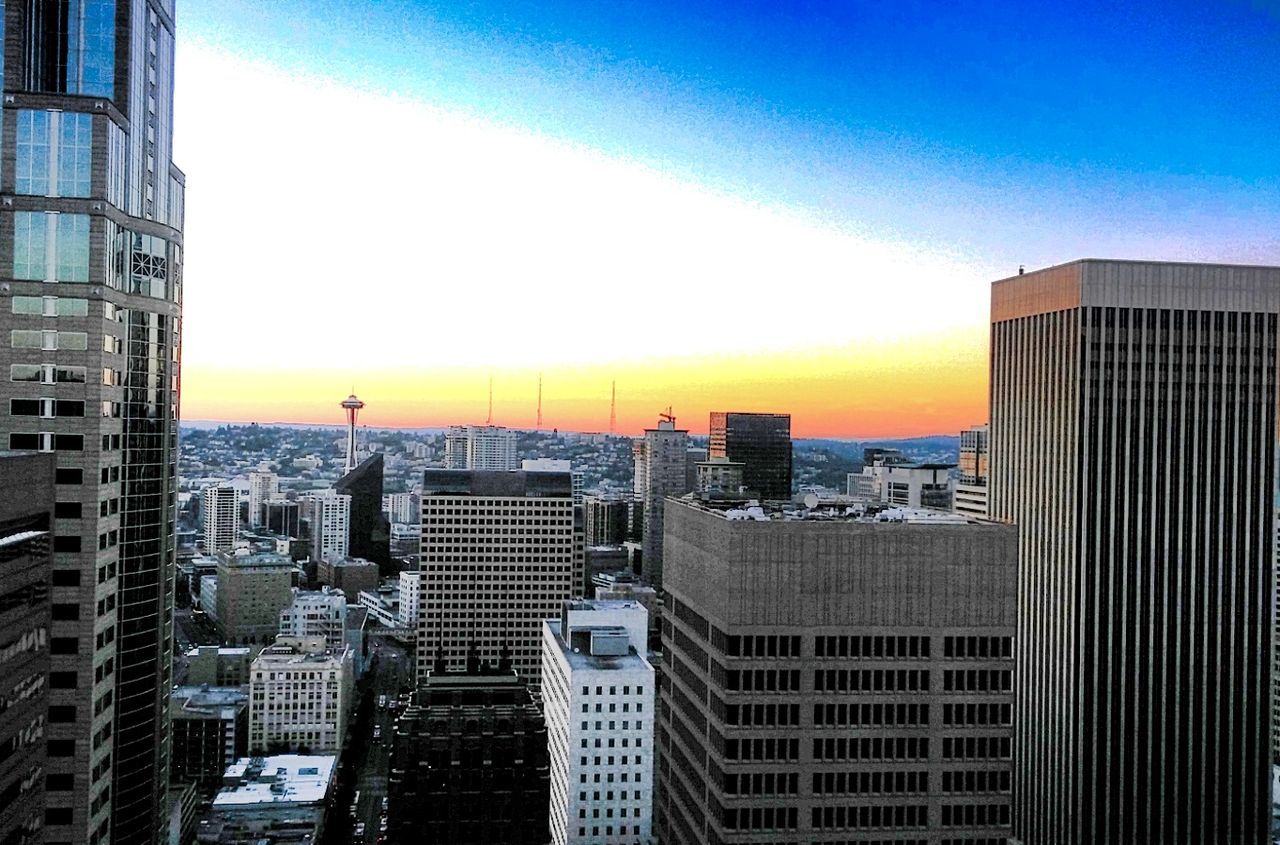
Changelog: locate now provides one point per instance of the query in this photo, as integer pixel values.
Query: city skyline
(526, 152)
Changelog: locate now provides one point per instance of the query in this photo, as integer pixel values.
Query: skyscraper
(665, 472)
(89, 340)
(500, 552)
(830, 677)
(368, 532)
(330, 513)
(1133, 420)
(219, 507)
(761, 443)
(263, 487)
(971, 486)
(480, 447)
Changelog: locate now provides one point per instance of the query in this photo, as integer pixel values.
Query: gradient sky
(720, 205)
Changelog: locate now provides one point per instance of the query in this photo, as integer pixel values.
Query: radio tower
(613, 407)
(489, 419)
(539, 424)
(352, 406)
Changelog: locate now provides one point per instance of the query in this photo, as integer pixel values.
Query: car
(377, 731)
(382, 702)
(359, 832)
(382, 825)
(385, 802)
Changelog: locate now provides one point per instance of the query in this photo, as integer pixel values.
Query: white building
(485, 447)
(209, 596)
(598, 697)
(269, 800)
(219, 506)
(383, 605)
(557, 465)
(299, 695)
(263, 487)
(410, 590)
(321, 613)
(403, 509)
(330, 524)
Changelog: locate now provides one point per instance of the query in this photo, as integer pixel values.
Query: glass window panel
(29, 235)
(91, 47)
(73, 248)
(69, 375)
(73, 307)
(24, 372)
(31, 166)
(75, 154)
(24, 339)
(28, 305)
(73, 340)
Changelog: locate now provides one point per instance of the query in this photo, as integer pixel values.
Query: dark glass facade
(762, 444)
(369, 534)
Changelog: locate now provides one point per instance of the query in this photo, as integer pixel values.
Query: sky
(790, 207)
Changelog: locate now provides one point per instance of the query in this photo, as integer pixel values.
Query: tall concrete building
(330, 515)
(210, 732)
(219, 508)
(480, 447)
(90, 307)
(252, 590)
(26, 578)
(761, 443)
(1133, 421)
(263, 487)
(665, 472)
(316, 613)
(975, 470)
(598, 699)
(500, 552)
(836, 678)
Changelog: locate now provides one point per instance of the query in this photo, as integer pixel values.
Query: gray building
(663, 468)
(829, 678)
(1132, 435)
(90, 300)
(26, 572)
(210, 727)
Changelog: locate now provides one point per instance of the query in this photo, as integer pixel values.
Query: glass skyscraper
(91, 210)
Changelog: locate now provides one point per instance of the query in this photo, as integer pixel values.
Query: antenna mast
(613, 407)
(539, 425)
(489, 419)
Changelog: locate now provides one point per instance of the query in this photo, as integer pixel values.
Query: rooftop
(206, 702)
(815, 510)
(283, 779)
(580, 659)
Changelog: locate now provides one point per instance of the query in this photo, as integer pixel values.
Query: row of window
(762, 783)
(977, 680)
(762, 646)
(50, 306)
(871, 783)
(763, 749)
(48, 340)
(886, 647)
(871, 680)
(762, 680)
(981, 780)
(761, 818)
(975, 815)
(871, 748)
(870, 715)
(46, 408)
(46, 441)
(980, 713)
(900, 816)
(981, 648)
(762, 715)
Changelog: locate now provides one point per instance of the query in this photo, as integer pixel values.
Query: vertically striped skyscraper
(90, 299)
(1133, 424)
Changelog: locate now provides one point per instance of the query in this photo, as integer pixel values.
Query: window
(31, 305)
(35, 232)
(25, 339)
(54, 153)
(73, 53)
(67, 475)
(25, 372)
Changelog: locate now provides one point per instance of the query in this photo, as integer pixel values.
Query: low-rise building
(210, 731)
(276, 800)
(219, 666)
(318, 613)
(252, 590)
(299, 695)
(351, 575)
(383, 604)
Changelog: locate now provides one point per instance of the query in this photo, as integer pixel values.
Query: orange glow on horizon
(900, 388)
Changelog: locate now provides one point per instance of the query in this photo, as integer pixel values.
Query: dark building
(1132, 437)
(369, 531)
(283, 517)
(210, 727)
(26, 570)
(762, 444)
(607, 520)
(469, 763)
(90, 307)
(831, 678)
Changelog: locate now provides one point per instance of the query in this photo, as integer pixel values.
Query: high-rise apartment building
(1133, 422)
(316, 613)
(410, 596)
(26, 576)
(404, 508)
(836, 678)
(975, 459)
(480, 447)
(368, 532)
(500, 552)
(219, 508)
(263, 487)
(606, 520)
(89, 345)
(558, 465)
(598, 697)
(665, 472)
(299, 694)
(330, 514)
(761, 443)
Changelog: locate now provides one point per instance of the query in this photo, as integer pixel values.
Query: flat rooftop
(283, 779)
(581, 660)
(838, 512)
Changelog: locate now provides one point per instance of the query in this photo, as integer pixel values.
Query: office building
(210, 727)
(480, 447)
(722, 476)
(469, 762)
(220, 509)
(605, 520)
(556, 465)
(330, 521)
(383, 604)
(350, 575)
(27, 508)
(300, 692)
(218, 666)
(1132, 434)
(500, 552)
(278, 800)
(89, 321)
(406, 540)
(665, 464)
(761, 443)
(319, 613)
(831, 676)
(252, 590)
(263, 487)
(899, 483)
(410, 596)
(208, 596)
(368, 532)
(598, 697)
(971, 485)
(282, 517)
(404, 509)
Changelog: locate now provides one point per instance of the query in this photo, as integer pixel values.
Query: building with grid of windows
(598, 695)
(662, 468)
(329, 513)
(90, 307)
(220, 513)
(263, 487)
(500, 552)
(480, 447)
(974, 470)
(299, 694)
(835, 677)
(1133, 435)
(761, 443)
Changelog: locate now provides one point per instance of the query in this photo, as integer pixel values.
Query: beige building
(252, 590)
(974, 472)
(500, 552)
(836, 678)
(662, 461)
(352, 575)
(219, 666)
(299, 695)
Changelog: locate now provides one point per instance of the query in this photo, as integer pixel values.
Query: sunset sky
(765, 206)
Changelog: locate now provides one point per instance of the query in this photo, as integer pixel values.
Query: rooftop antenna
(667, 416)
(1022, 268)
(539, 424)
(613, 407)
(489, 419)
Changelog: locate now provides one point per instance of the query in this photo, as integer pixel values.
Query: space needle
(352, 406)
